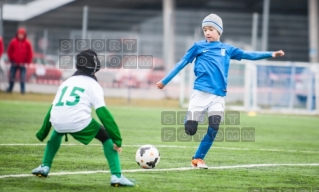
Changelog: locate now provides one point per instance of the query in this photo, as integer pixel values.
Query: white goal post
(266, 86)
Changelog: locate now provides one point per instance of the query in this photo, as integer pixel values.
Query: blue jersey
(212, 65)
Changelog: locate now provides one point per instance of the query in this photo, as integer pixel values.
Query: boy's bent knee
(102, 135)
(191, 127)
(214, 121)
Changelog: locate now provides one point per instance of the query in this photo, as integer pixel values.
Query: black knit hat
(88, 62)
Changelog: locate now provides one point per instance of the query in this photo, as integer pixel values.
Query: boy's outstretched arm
(257, 55)
(179, 66)
(188, 58)
(46, 126)
(110, 125)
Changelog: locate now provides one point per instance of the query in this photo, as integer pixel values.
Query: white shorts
(202, 102)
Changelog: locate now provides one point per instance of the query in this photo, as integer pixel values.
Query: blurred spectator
(1, 47)
(20, 54)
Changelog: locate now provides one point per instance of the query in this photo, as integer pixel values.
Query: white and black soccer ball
(147, 156)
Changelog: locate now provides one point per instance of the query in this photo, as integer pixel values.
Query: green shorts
(87, 134)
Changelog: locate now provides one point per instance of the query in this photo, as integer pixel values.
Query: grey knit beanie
(215, 21)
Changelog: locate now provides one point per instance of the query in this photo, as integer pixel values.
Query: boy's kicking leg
(215, 117)
(51, 149)
(199, 103)
(112, 156)
(207, 142)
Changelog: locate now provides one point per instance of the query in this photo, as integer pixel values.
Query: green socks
(112, 157)
(52, 147)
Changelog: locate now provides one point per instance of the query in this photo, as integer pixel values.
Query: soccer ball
(147, 156)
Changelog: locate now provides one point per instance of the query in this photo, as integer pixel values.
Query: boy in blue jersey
(210, 87)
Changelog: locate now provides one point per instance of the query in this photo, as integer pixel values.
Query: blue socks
(206, 143)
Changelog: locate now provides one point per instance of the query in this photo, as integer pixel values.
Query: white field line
(168, 169)
(167, 146)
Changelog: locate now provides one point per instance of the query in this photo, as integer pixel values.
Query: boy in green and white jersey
(70, 113)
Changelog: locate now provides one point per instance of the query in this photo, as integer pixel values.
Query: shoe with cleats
(198, 163)
(122, 181)
(41, 171)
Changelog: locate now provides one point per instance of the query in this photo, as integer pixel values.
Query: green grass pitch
(279, 139)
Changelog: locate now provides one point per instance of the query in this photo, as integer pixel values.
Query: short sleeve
(235, 53)
(97, 96)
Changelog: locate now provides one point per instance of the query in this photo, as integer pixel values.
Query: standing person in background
(1, 47)
(1, 53)
(20, 54)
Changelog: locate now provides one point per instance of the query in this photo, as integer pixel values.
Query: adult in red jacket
(20, 54)
(1, 47)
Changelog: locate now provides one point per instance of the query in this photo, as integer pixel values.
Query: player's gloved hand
(279, 53)
(160, 85)
(116, 148)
